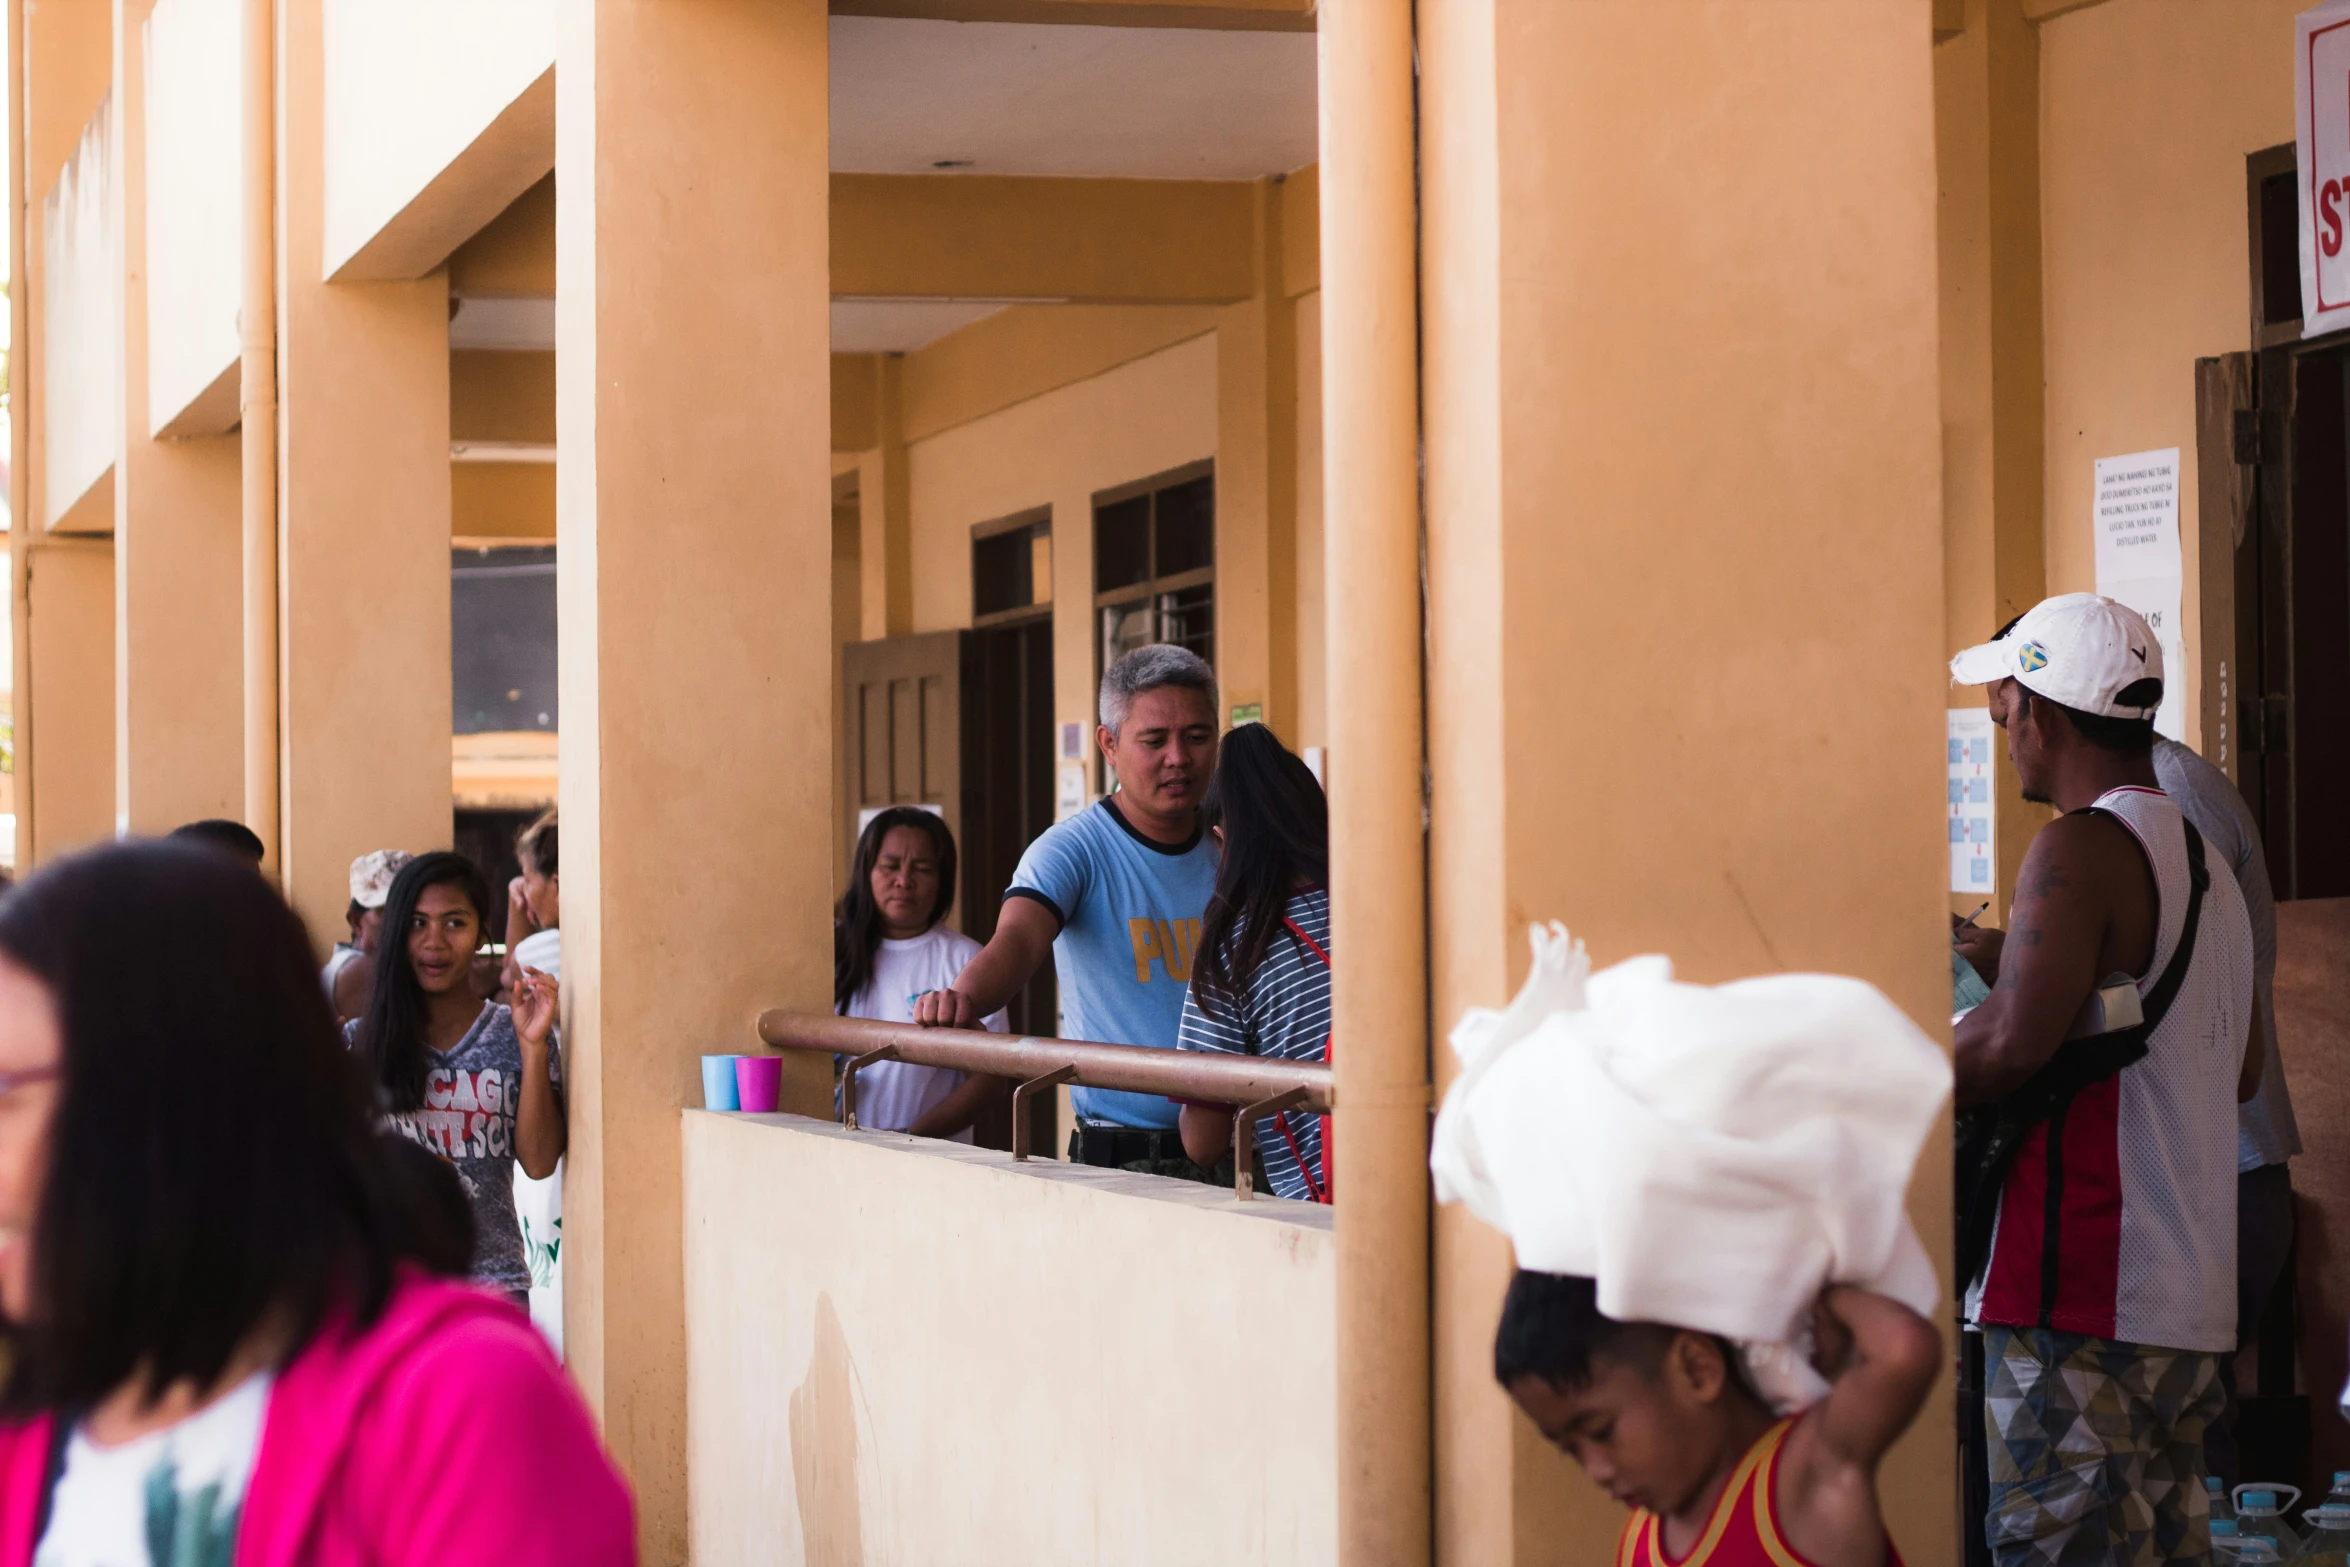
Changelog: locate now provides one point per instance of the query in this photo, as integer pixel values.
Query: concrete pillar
(17, 793)
(69, 623)
(885, 498)
(1256, 484)
(1378, 886)
(363, 531)
(178, 696)
(61, 588)
(694, 496)
(1685, 568)
(1994, 373)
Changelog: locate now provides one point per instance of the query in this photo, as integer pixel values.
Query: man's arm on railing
(1024, 933)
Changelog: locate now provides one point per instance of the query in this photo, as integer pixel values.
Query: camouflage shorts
(2096, 1449)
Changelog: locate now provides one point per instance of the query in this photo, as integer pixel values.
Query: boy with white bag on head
(1705, 1187)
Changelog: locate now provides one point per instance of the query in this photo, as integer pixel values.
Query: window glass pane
(1188, 620)
(1121, 544)
(502, 639)
(1125, 627)
(1003, 572)
(1187, 527)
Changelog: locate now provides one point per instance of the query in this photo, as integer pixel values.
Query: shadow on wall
(824, 1448)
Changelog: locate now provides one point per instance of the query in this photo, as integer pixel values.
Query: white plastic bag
(1712, 1156)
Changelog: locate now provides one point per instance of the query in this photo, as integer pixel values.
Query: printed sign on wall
(2321, 136)
(2137, 519)
(1971, 761)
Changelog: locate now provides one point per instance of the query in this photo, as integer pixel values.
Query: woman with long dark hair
(890, 947)
(224, 1336)
(472, 1080)
(1260, 984)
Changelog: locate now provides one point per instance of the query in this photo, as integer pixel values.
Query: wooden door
(2293, 623)
(904, 704)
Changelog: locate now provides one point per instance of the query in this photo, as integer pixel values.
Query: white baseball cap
(2077, 649)
(372, 875)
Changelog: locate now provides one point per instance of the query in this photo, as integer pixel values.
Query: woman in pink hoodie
(225, 1340)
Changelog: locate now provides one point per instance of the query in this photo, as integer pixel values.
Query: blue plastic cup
(718, 1090)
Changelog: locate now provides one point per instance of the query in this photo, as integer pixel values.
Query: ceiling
(881, 326)
(503, 323)
(1012, 98)
(1015, 98)
(859, 326)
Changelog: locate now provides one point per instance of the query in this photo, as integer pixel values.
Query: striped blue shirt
(1284, 1012)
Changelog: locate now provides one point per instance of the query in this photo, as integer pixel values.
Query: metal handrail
(1256, 1086)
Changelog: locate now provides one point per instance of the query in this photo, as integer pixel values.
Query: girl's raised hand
(536, 998)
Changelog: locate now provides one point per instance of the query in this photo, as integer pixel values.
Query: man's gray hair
(1148, 669)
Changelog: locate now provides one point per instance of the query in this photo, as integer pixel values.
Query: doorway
(1012, 747)
(2293, 562)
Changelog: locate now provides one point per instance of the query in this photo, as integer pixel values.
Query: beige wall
(1144, 417)
(363, 497)
(178, 614)
(1256, 484)
(439, 113)
(80, 361)
(1312, 664)
(65, 66)
(505, 396)
(193, 84)
(931, 1354)
(70, 684)
(501, 500)
(1987, 132)
(2148, 108)
(1675, 406)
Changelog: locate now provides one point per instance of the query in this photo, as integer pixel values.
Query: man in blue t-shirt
(1115, 893)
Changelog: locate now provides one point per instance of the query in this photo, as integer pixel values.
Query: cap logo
(2031, 656)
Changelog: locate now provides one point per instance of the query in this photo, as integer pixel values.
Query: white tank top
(2118, 1218)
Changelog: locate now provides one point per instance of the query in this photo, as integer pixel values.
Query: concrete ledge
(906, 1350)
(1145, 1188)
(511, 155)
(216, 410)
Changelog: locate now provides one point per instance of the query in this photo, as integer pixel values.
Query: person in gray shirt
(2266, 1133)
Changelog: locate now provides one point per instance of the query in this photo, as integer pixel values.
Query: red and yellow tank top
(1744, 1530)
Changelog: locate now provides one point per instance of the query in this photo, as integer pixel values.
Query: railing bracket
(1244, 1138)
(848, 1081)
(1020, 1105)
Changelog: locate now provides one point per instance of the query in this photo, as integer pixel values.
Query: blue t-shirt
(1130, 913)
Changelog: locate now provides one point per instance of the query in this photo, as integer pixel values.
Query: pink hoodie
(445, 1434)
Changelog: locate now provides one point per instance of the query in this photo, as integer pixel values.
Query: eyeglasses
(10, 1082)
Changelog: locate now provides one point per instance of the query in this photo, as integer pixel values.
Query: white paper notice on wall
(2137, 520)
(2321, 136)
(1971, 764)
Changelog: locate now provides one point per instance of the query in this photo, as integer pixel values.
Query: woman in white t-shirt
(889, 946)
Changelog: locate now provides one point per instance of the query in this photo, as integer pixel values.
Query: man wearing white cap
(347, 975)
(2117, 1043)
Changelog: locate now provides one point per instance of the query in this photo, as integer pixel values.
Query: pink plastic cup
(758, 1081)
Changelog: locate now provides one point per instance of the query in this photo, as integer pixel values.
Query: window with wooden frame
(1012, 568)
(1154, 563)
